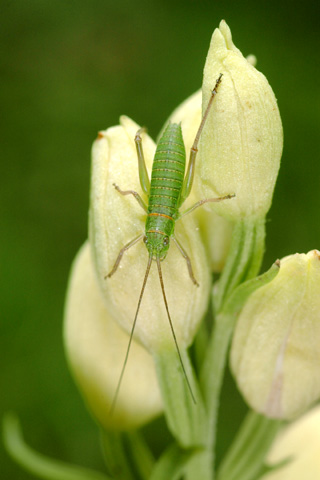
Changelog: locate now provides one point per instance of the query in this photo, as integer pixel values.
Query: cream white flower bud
(189, 114)
(275, 354)
(114, 221)
(96, 347)
(299, 443)
(241, 143)
(216, 232)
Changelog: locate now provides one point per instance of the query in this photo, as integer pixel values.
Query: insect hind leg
(120, 255)
(188, 180)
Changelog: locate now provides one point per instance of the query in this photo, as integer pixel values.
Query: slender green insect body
(169, 187)
(165, 190)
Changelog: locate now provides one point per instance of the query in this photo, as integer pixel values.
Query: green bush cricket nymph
(169, 187)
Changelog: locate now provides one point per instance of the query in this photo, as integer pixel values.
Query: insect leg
(187, 259)
(188, 180)
(202, 202)
(123, 249)
(143, 173)
(135, 194)
(172, 330)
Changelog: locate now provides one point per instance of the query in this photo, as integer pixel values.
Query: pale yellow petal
(299, 442)
(241, 143)
(275, 353)
(96, 347)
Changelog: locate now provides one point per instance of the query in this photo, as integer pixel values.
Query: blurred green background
(70, 68)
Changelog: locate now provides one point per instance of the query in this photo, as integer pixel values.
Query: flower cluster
(274, 356)
(127, 337)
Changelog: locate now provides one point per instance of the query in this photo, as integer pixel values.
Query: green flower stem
(186, 419)
(244, 460)
(36, 463)
(200, 344)
(212, 380)
(244, 262)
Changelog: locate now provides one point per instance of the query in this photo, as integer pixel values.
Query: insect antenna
(172, 330)
(114, 401)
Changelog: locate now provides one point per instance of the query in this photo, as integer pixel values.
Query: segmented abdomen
(166, 180)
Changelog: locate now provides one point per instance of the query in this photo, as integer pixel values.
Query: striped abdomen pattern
(166, 181)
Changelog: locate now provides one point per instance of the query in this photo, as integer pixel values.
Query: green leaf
(126, 453)
(264, 469)
(172, 463)
(36, 463)
(246, 456)
(140, 453)
(116, 455)
(244, 259)
(239, 296)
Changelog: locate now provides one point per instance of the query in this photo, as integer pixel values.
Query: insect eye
(166, 241)
(145, 239)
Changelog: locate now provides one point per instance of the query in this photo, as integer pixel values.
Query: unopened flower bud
(117, 219)
(96, 347)
(298, 445)
(189, 114)
(275, 355)
(241, 143)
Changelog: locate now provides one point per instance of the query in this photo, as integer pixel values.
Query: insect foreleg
(123, 249)
(143, 173)
(135, 194)
(188, 180)
(187, 259)
(202, 202)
